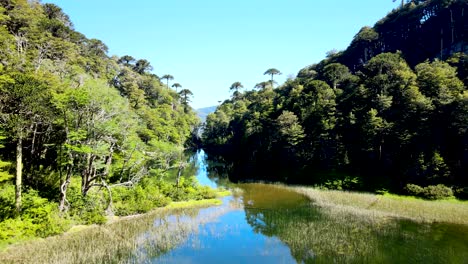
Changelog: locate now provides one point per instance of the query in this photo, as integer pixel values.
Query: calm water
(268, 224)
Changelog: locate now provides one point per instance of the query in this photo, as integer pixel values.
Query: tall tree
(168, 78)
(335, 73)
(185, 98)
(176, 86)
(263, 85)
(272, 72)
(24, 101)
(142, 66)
(236, 86)
(126, 60)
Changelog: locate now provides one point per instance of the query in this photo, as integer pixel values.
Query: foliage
(385, 110)
(80, 123)
(439, 191)
(39, 217)
(431, 192)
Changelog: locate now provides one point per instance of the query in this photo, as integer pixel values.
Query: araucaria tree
(176, 86)
(168, 78)
(185, 95)
(236, 86)
(272, 72)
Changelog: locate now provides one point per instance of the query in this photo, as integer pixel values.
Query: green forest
(86, 136)
(83, 135)
(389, 113)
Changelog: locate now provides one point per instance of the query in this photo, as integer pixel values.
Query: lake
(270, 224)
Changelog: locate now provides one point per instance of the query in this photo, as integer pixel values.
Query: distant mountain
(204, 112)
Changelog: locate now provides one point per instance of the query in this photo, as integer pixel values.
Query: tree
(168, 78)
(290, 128)
(24, 103)
(185, 98)
(263, 85)
(176, 85)
(126, 60)
(96, 47)
(236, 86)
(142, 66)
(272, 72)
(335, 73)
(438, 80)
(53, 11)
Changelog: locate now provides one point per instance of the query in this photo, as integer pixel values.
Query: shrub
(39, 218)
(43, 214)
(435, 192)
(86, 210)
(413, 189)
(431, 192)
(7, 201)
(206, 192)
(138, 199)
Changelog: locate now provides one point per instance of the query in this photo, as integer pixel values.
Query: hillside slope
(370, 117)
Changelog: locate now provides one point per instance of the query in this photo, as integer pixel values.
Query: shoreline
(111, 220)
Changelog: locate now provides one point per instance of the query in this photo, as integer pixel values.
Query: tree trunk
(19, 173)
(179, 173)
(109, 191)
(63, 188)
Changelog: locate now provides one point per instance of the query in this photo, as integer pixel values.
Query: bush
(435, 192)
(139, 199)
(206, 192)
(413, 189)
(39, 218)
(43, 214)
(431, 192)
(86, 210)
(7, 202)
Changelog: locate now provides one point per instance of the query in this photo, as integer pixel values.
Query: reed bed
(134, 239)
(419, 210)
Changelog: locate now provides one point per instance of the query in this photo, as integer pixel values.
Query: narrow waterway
(229, 237)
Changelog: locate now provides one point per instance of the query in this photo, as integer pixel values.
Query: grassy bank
(123, 240)
(41, 218)
(344, 227)
(450, 211)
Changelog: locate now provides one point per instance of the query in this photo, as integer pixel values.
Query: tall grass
(390, 206)
(343, 227)
(129, 240)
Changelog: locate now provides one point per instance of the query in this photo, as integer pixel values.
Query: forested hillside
(388, 113)
(82, 133)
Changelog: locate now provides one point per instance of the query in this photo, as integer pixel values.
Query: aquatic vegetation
(389, 205)
(130, 239)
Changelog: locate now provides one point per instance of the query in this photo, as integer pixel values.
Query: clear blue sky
(209, 44)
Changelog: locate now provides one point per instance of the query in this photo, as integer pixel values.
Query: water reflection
(202, 173)
(228, 239)
(270, 224)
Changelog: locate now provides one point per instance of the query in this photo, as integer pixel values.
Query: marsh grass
(127, 240)
(449, 211)
(318, 227)
(342, 227)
